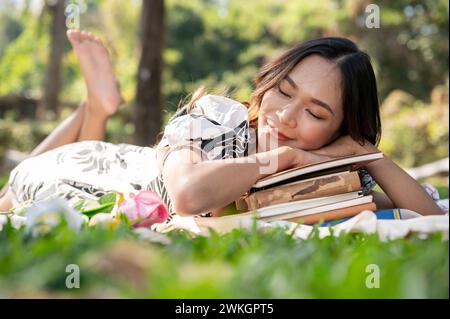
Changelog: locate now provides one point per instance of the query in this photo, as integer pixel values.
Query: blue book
(394, 213)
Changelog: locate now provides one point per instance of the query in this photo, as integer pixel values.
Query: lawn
(122, 263)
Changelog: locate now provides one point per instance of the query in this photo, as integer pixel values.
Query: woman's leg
(103, 95)
(88, 122)
(65, 133)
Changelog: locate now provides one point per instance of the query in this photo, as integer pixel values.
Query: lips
(282, 137)
(276, 133)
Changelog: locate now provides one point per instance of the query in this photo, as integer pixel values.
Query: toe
(84, 36)
(99, 44)
(90, 37)
(98, 40)
(74, 36)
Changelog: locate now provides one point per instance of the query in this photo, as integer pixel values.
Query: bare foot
(103, 93)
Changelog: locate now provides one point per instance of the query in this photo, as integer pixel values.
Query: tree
(148, 109)
(53, 76)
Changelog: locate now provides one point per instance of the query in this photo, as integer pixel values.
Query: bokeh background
(220, 44)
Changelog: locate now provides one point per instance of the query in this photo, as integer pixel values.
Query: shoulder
(218, 103)
(219, 110)
(211, 116)
(216, 125)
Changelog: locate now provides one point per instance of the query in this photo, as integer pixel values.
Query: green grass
(240, 264)
(3, 180)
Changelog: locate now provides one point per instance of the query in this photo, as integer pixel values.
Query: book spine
(319, 187)
(334, 214)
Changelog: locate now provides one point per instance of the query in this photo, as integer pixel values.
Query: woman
(316, 101)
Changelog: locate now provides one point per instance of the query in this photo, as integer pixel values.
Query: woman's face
(305, 111)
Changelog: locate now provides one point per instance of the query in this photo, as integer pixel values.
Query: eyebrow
(313, 100)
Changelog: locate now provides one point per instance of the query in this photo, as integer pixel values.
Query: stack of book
(318, 192)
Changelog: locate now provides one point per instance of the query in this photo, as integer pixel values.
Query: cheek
(313, 134)
(267, 108)
(270, 102)
(312, 137)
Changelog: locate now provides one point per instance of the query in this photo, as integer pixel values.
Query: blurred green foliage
(415, 132)
(241, 264)
(222, 43)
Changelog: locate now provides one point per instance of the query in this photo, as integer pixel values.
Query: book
(296, 172)
(237, 220)
(317, 209)
(331, 184)
(334, 214)
(301, 205)
(392, 213)
(289, 207)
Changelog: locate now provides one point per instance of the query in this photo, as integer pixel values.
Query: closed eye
(312, 114)
(283, 93)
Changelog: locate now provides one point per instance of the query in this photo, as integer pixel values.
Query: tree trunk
(148, 110)
(53, 73)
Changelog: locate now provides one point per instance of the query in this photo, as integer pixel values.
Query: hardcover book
(319, 192)
(353, 161)
(332, 184)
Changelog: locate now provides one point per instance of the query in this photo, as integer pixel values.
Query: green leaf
(80, 205)
(108, 198)
(105, 208)
(105, 205)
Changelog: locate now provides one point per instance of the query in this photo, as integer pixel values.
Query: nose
(286, 115)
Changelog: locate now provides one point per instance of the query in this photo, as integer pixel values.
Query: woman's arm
(382, 200)
(197, 187)
(402, 190)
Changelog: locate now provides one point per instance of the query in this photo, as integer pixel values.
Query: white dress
(217, 127)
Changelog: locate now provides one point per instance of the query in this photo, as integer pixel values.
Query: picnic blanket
(364, 222)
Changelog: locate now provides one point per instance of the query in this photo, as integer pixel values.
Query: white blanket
(364, 222)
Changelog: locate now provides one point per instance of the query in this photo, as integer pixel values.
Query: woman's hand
(299, 157)
(345, 146)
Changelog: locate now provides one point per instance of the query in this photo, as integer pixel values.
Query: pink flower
(145, 209)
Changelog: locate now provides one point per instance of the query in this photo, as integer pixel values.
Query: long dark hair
(359, 87)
